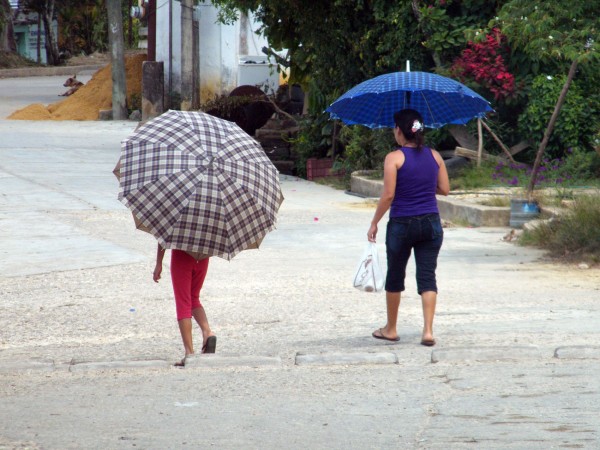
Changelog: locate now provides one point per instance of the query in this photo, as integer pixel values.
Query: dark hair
(405, 120)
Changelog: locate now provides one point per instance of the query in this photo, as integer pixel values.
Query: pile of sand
(95, 95)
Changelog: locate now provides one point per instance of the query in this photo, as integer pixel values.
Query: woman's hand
(372, 233)
(157, 273)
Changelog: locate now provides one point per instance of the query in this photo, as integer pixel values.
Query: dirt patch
(94, 96)
(94, 58)
(9, 60)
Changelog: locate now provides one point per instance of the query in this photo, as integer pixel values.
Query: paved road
(87, 340)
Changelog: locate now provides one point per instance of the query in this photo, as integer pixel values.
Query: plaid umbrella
(199, 184)
(440, 100)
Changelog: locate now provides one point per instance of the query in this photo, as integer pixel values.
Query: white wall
(219, 51)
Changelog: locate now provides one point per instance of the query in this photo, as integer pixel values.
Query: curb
(440, 355)
(216, 361)
(47, 71)
(104, 365)
(346, 359)
(451, 209)
(486, 354)
(577, 352)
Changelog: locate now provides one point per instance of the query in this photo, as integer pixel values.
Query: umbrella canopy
(199, 184)
(440, 100)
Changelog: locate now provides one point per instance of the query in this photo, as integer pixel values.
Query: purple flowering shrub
(576, 167)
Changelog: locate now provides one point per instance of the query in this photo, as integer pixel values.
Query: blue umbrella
(440, 100)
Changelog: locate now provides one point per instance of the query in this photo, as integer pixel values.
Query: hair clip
(416, 126)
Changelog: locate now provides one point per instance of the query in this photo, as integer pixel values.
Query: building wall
(26, 35)
(220, 51)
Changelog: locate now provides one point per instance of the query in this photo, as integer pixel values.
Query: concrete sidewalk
(87, 340)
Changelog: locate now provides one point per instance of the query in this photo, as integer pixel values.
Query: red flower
(483, 62)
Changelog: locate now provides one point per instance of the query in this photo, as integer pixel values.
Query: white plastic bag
(368, 276)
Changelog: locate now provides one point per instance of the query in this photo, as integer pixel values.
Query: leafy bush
(574, 235)
(365, 149)
(575, 123)
(314, 140)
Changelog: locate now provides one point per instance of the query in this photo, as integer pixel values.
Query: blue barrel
(522, 211)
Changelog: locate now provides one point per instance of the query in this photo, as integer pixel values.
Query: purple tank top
(416, 183)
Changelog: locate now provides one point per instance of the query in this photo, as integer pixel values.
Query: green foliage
(365, 149)
(582, 165)
(574, 235)
(447, 24)
(313, 141)
(574, 127)
(552, 30)
(577, 168)
(473, 177)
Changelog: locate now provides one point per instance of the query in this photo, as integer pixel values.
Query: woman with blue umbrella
(413, 175)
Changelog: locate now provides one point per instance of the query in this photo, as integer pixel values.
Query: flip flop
(381, 336)
(211, 345)
(182, 362)
(428, 342)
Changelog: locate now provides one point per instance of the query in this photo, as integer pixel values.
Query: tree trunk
(117, 57)
(52, 57)
(550, 128)
(7, 35)
(187, 64)
(38, 44)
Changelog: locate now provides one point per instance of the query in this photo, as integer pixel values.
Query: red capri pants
(187, 277)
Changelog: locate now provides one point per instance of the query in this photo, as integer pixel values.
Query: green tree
(47, 12)
(7, 39)
(333, 45)
(563, 31)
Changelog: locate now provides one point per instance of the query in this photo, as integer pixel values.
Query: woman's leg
(428, 299)
(181, 278)
(202, 320)
(392, 300)
(198, 277)
(426, 256)
(398, 250)
(185, 328)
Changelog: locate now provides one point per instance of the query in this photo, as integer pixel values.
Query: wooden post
(116, 43)
(153, 86)
(187, 60)
(480, 142)
(497, 139)
(151, 12)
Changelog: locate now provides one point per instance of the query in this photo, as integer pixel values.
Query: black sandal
(211, 345)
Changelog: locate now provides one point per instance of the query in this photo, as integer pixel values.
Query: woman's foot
(182, 362)
(210, 345)
(379, 334)
(427, 340)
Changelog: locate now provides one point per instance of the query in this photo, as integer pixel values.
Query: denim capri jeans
(422, 233)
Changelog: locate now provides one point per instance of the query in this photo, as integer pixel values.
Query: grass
(473, 178)
(498, 201)
(574, 236)
(339, 183)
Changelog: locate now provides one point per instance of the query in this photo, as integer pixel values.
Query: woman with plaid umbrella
(412, 176)
(187, 276)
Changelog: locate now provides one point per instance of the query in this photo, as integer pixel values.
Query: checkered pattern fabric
(199, 184)
(440, 100)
